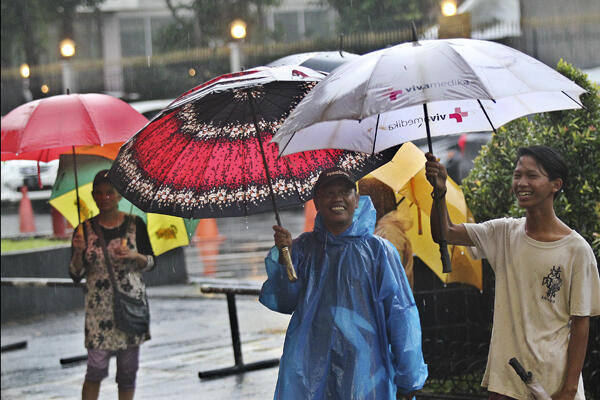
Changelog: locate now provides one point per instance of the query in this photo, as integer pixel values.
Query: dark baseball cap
(331, 174)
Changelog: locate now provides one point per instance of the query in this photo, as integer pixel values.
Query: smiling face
(531, 184)
(106, 197)
(337, 201)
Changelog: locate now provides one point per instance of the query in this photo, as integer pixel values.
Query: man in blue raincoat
(355, 331)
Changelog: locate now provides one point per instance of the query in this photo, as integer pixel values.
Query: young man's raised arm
(455, 233)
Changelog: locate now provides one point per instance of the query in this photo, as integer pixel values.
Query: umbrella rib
(88, 114)
(21, 136)
(576, 102)
(486, 115)
(376, 131)
(467, 65)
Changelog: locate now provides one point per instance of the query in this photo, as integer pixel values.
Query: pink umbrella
(43, 128)
(69, 120)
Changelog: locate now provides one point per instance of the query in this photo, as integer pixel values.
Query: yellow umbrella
(405, 175)
(166, 232)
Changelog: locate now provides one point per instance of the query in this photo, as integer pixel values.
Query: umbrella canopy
(325, 61)
(165, 232)
(69, 120)
(204, 156)
(418, 89)
(405, 175)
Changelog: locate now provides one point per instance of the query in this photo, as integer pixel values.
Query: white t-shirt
(539, 285)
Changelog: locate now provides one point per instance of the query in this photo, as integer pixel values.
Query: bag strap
(109, 267)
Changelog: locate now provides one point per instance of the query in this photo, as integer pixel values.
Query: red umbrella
(69, 120)
(207, 155)
(43, 129)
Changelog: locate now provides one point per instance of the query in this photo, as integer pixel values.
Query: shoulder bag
(131, 315)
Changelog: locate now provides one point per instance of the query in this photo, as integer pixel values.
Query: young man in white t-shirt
(547, 283)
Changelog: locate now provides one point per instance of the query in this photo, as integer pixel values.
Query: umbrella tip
(414, 31)
(341, 48)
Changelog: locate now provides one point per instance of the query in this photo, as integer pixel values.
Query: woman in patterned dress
(130, 253)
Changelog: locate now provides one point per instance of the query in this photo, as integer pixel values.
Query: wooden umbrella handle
(445, 256)
(289, 267)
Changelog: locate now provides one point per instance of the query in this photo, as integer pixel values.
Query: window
(133, 42)
(316, 24)
(286, 26)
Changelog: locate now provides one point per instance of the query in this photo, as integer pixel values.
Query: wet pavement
(190, 330)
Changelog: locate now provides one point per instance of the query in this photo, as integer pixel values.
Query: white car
(150, 108)
(18, 173)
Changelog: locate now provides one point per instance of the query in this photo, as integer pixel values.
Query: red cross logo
(394, 94)
(295, 72)
(458, 115)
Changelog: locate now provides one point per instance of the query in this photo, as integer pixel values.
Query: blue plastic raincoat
(355, 330)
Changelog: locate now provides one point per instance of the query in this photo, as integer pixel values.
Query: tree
(379, 15)
(211, 18)
(25, 26)
(574, 134)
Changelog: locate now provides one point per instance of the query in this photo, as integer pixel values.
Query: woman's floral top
(100, 329)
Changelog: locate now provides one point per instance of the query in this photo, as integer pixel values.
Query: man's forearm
(576, 350)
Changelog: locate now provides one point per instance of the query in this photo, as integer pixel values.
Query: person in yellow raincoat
(390, 223)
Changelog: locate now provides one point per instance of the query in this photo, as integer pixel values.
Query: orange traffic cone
(208, 241)
(59, 223)
(310, 212)
(207, 229)
(26, 222)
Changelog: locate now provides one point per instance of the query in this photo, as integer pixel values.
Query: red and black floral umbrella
(208, 154)
(202, 157)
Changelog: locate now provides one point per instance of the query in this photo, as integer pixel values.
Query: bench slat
(231, 289)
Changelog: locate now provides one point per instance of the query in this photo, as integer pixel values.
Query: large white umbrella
(381, 99)
(423, 89)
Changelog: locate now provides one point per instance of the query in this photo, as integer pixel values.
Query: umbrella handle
(524, 375)
(289, 267)
(446, 265)
(445, 256)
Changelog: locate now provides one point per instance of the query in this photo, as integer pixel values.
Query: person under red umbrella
(127, 245)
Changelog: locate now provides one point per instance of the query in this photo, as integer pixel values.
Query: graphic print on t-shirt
(552, 282)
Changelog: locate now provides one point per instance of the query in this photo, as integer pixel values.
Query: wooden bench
(231, 289)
